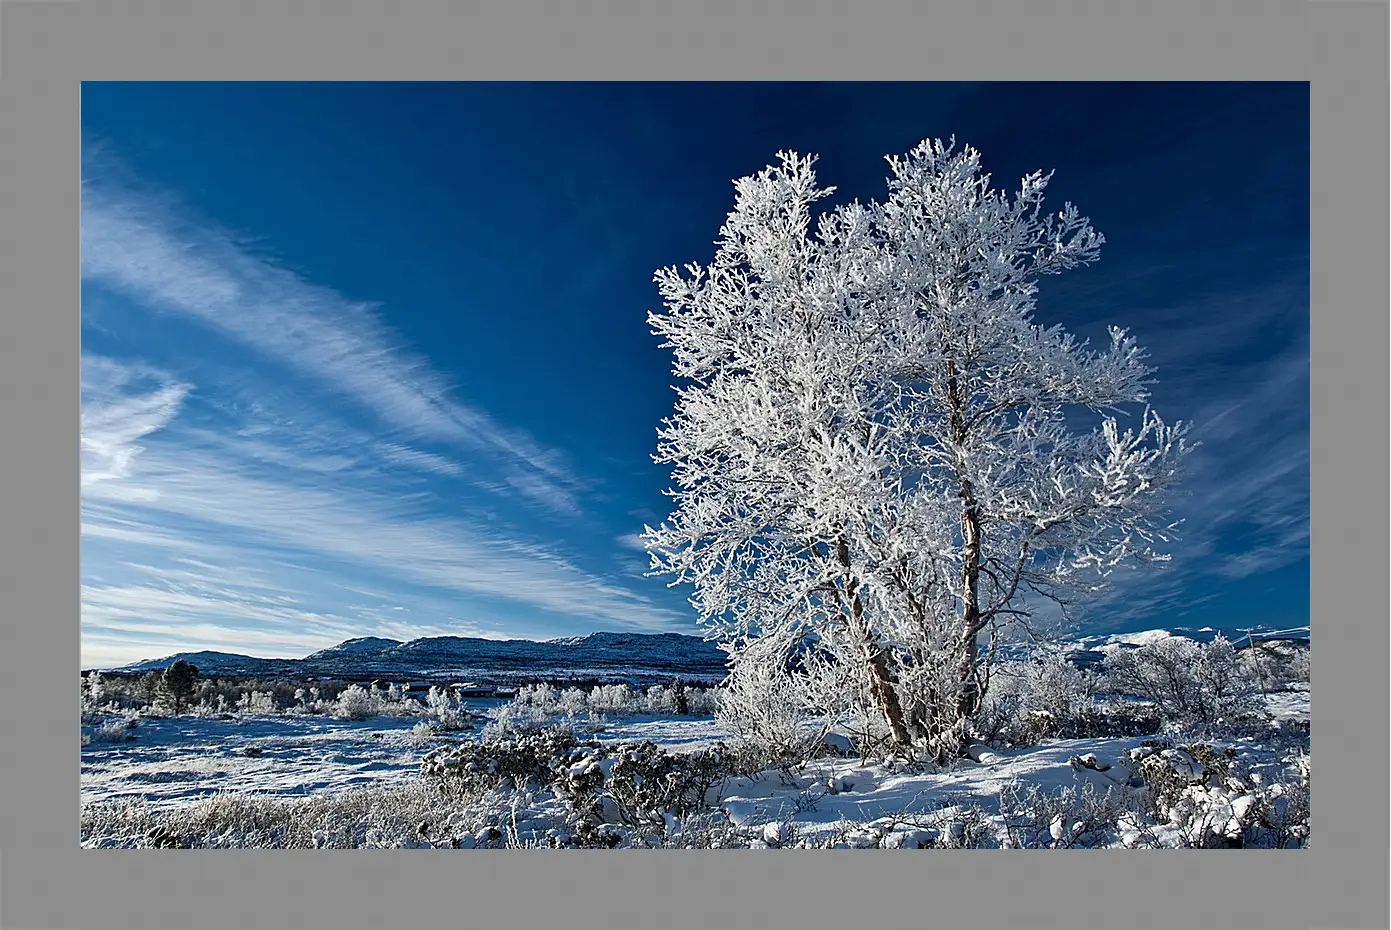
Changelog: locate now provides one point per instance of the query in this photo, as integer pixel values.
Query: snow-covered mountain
(640, 658)
(1089, 650)
(631, 656)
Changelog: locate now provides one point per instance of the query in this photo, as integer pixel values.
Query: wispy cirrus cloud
(137, 245)
(241, 540)
(449, 553)
(120, 407)
(225, 507)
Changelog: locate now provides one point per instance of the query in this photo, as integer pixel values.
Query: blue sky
(371, 359)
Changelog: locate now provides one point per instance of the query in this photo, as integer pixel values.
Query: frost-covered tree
(876, 451)
(94, 689)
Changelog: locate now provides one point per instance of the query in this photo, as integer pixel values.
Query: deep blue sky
(372, 358)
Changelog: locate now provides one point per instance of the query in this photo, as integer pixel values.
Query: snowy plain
(175, 761)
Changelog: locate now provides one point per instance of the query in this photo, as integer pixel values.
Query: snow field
(179, 766)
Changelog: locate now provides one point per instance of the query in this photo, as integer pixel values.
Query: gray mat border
(47, 46)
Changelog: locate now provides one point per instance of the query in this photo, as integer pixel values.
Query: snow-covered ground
(175, 759)
(172, 761)
(179, 758)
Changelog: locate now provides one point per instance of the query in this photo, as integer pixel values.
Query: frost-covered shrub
(1275, 665)
(540, 705)
(634, 794)
(1001, 717)
(541, 695)
(1299, 666)
(509, 761)
(640, 794)
(427, 730)
(107, 693)
(659, 700)
(1281, 814)
(1169, 770)
(257, 702)
(216, 706)
(1186, 681)
(358, 703)
(513, 719)
(1040, 698)
(1198, 797)
(572, 702)
(354, 703)
(613, 698)
(535, 708)
(448, 709)
(703, 701)
(764, 704)
(117, 730)
(650, 786)
(1071, 818)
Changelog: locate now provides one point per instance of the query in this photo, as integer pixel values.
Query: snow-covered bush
(702, 701)
(354, 703)
(1188, 682)
(613, 698)
(257, 702)
(426, 731)
(1299, 666)
(635, 794)
(1275, 665)
(538, 706)
(114, 730)
(358, 703)
(651, 786)
(517, 718)
(1070, 818)
(763, 703)
(447, 709)
(659, 699)
(638, 794)
(506, 761)
(1199, 797)
(572, 702)
(1043, 697)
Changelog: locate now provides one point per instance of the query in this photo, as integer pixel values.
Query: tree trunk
(882, 687)
(881, 683)
(968, 694)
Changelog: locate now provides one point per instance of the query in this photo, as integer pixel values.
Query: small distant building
(470, 690)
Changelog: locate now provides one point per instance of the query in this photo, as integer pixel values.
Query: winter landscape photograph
(473, 466)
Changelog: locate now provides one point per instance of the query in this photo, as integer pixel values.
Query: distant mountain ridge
(639, 657)
(635, 657)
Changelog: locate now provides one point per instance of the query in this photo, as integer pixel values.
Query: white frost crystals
(874, 446)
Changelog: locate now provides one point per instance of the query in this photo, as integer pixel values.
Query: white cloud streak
(137, 246)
